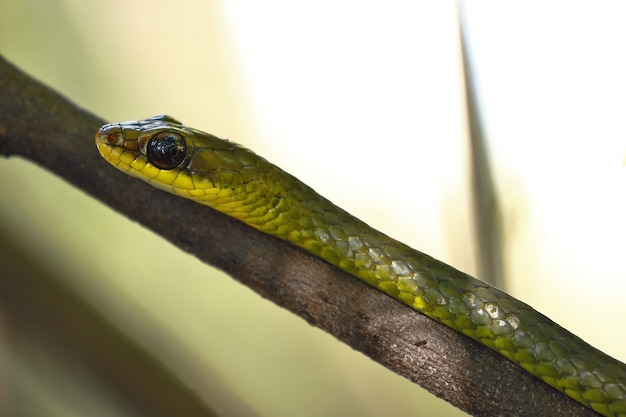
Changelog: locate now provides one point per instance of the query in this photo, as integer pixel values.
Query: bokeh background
(363, 101)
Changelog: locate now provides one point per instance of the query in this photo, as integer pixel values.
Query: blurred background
(365, 102)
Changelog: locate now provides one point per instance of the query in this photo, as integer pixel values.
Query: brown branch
(38, 124)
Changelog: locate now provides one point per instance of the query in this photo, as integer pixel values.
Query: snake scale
(234, 180)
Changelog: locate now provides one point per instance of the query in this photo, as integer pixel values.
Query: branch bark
(39, 124)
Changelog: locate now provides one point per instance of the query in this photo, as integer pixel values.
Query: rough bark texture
(39, 124)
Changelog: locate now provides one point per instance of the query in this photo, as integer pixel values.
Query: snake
(234, 180)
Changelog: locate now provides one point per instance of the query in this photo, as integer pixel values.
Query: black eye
(167, 150)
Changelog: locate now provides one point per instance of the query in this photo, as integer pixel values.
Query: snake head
(193, 164)
(156, 149)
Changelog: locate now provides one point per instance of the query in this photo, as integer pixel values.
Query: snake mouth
(112, 136)
(115, 146)
(109, 135)
(105, 141)
(108, 138)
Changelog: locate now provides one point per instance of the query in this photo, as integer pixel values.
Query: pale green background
(362, 100)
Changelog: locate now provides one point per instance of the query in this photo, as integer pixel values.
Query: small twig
(38, 124)
(485, 205)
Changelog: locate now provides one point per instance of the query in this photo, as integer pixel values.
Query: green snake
(239, 183)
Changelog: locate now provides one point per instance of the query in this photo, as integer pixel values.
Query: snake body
(236, 181)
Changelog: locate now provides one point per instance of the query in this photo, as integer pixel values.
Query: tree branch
(39, 124)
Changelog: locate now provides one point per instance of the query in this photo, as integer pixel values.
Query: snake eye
(167, 150)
